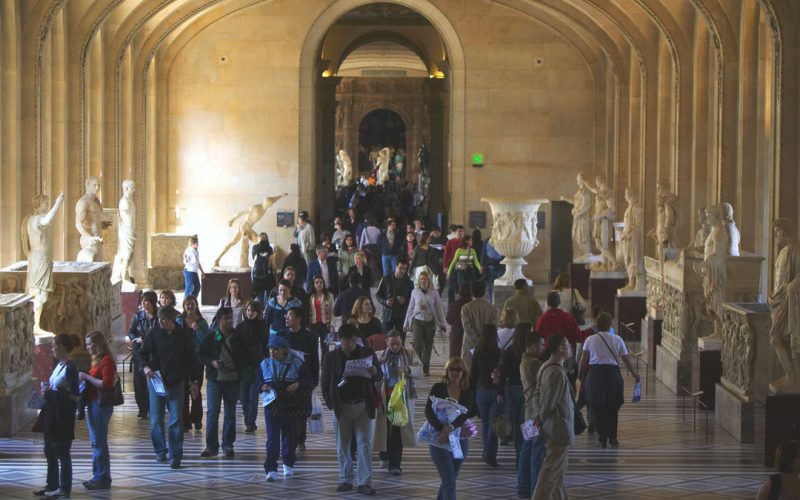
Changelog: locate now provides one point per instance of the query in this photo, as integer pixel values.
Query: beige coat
(553, 404)
(408, 432)
(474, 315)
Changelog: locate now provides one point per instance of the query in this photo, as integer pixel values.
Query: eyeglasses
(454, 369)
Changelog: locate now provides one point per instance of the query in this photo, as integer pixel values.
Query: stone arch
(383, 36)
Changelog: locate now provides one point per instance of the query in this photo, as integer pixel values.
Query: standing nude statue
(714, 270)
(346, 165)
(581, 245)
(604, 212)
(384, 157)
(88, 212)
(631, 241)
(784, 303)
(37, 242)
(126, 233)
(244, 232)
(666, 231)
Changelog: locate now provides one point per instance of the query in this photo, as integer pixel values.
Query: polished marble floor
(662, 455)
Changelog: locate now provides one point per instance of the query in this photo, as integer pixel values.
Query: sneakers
(198, 426)
(209, 453)
(384, 464)
(288, 471)
(366, 489)
(272, 476)
(344, 487)
(59, 493)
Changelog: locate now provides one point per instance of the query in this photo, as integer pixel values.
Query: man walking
(393, 293)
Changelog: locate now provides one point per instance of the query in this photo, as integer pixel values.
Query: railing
(696, 401)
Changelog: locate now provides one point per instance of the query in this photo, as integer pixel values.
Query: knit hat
(278, 342)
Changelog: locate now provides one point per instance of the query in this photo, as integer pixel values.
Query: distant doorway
(381, 128)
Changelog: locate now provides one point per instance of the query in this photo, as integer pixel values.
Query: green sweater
(526, 306)
(464, 254)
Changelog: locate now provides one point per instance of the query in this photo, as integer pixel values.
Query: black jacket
(172, 353)
(344, 302)
(305, 342)
(254, 335)
(391, 288)
(332, 370)
(213, 345)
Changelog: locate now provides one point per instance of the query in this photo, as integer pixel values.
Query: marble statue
(602, 219)
(126, 231)
(581, 244)
(244, 232)
(632, 242)
(666, 231)
(88, 213)
(384, 157)
(345, 165)
(38, 245)
(702, 233)
(423, 158)
(784, 303)
(714, 271)
(730, 226)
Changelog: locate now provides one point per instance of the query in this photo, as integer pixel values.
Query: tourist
(346, 259)
(101, 377)
(454, 385)
(192, 269)
(339, 234)
(253, 335)
(297, 290)
(474, 316)
(389, 244)
(233, 300)
(554, 408)
(523, 303)
(511, 383)
(352, 400)
(425, 313)
(347, 299)
(556, 320)
(396, 361)
(191, 320)
(465, 263)
(263, 273)
(58, 417)
(423, 255)
(302, 341)
(306, 238)
(394, 292)
(407, 250)
(168, 356)
(287, 377)
(142, 322)
(223, 354)
(167, 298)
(786, 483)
(369, 328)
(571, 298)
(508, 320)
(297, 262)
(275, 317)
(532, 452)
(453, 244)
(368, 242)
(322, 302)
(492, 268)
(324, 266)
(604, 385)
(361, 267)
(484, 378)
(454, 320)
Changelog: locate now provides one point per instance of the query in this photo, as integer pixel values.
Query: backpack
(261, 268)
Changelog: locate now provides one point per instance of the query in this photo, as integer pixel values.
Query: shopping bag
(637, 392)
(397, 407)
(315, 422)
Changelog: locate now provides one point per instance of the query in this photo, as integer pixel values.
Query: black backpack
(261, 268)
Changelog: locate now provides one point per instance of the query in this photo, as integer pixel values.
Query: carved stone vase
(513, 232)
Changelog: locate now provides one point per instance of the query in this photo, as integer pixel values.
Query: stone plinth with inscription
(16, 359)
(166, 260)
(675, 294)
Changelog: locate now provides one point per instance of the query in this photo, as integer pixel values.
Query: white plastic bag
(315, 422)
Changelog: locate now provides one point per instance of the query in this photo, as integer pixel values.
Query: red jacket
(105, 370)
(553, 321)
(449, 251)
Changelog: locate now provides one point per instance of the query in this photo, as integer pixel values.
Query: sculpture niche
(581, 244)
(88, 213)
(244, 232)
(784, 303)
(126, 233)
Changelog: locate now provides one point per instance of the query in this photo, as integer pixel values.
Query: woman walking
(361, 266)
(465, 263)
(253, 335)
(191, 320)
(346, 259)
(101, 377)
(425, 313)
(369, 327)
(233, 299)
(321, 314)
(142, 322)
(275, 316)
(484, 375)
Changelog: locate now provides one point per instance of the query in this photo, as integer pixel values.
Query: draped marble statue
(666, 231)
(632, 243)
(713, 269)
(88, 213)
(730, 226)
(784, 303)
(602, 219)
(244, 232)
(126, 233)
(702, 228)
(37, 242)
(581, 244)
(345, 166)
(384, 157)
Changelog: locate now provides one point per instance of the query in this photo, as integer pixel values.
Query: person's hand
(265, 388)
(444, 434)
(636, 377)
(148, 372)
(202, 274)
(537, 422)
(407, 370)
(292, 387)
(195, 326)
(137, 340)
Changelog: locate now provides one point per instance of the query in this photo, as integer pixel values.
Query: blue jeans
(281, 434)
(217, 393)
(448, 468)
(248, 395)
(97, 418)
(192, 283)
(530, 461)
(173, 400)
(389, 263)
(515, 409)
(488, 409)
(58, 452)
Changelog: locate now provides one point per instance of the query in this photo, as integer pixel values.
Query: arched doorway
(378, 129)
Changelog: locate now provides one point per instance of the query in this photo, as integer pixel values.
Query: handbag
(36, 402)
(580, 422)
(113, 397)
(577, 310)
(501, 426)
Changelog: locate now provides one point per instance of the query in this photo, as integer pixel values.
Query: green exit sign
(477, 160)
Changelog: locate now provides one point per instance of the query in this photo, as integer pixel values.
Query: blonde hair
(362, 255)
(459, 363)
(427, 275)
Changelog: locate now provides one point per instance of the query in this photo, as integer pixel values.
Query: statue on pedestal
(632, 242)
(384, 157)
(126, 233)
(244, 232)
(714, 271)
(88, 213)
(581, 244)
(37, 243)
(666, 231)
(784, 303)
(703, 228)
(345, 169)
(604, 212)
(730, 226)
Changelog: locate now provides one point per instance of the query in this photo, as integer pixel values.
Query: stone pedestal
(706, 373)
(603, 288)
(500, 294)
(675, 293)
(16, 359)
(166, 261)
(629, 309)
(579, 278)
(215, 285)
(782, 424)
(651, 339)
(735, 414)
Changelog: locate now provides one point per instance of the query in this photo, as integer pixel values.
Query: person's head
(488, 339)
(150, 302)
(362, 308)
(391, 225)
(464, 291)
(349, 242)
(787, 457)
(303, 218)
(562, 281)
(409, 228)
(394, 340)
(466, 241)
(166, 298)
(603, 321)
(424, 237)
(325, 239)
(596, 310)
(534, 344)
(294, 318)
(319, 285)
(189, 305)
(455, 372)
(351, 320)
(294, 248)
(225, 318)
(559, 347)
(436, 231)
(278, 347)
(478, 288)
(460, 231)
(97, 345)
(167, 316)
(193, 241)
(359, 259)
(64, 344)
(263, 237)
(521, 284)
(424, 281)
(233, 289)
(508, 318)
(253, 309)
(553, 299)
(401, 269)
(411, 237)
(289, 274)
(354, 279)
(347, 335)
(452, 228)
(417, 225)
(285, 289)
(322, 252)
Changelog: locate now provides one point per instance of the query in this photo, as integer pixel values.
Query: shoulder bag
(113, 397)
